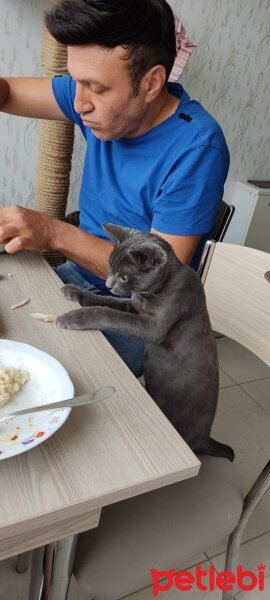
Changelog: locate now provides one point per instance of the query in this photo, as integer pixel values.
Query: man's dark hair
(144, 27)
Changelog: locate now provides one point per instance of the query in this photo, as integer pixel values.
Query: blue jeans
(130, 349)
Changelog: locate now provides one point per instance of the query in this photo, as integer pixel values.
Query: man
(155, 160)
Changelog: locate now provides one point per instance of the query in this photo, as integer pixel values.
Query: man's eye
(98, 90)
(123, 277)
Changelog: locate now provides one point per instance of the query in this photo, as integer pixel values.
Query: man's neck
(160, 109)
(166, 108)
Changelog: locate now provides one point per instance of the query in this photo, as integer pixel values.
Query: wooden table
(105, 452)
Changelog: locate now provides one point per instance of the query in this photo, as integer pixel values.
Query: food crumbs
(15, 437)
(19, 304)
(43, 317)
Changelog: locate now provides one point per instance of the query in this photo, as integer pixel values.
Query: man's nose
(82, 101)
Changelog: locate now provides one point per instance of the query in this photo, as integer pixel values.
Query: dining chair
(167, 528)
(222, 221)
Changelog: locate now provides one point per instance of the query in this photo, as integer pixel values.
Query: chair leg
(37, 574)
(51, 570)
(22, 562)
(61, 569)
(259, 488)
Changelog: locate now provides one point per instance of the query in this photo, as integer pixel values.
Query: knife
(101, 394)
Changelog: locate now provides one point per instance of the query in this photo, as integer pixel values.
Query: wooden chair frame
(225, 270)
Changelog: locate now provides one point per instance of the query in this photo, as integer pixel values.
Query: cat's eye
(123, 277)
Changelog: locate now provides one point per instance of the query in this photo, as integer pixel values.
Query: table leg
(52, 566)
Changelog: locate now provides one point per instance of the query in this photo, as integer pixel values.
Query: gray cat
(167, 309)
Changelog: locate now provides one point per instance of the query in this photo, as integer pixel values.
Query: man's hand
(22, 228)
(4, 92)
(25, 229)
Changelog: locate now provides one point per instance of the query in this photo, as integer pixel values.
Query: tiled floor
(243, 419)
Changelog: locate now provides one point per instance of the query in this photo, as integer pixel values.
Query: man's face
(103, 92)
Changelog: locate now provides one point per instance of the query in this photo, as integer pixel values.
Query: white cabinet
(250, 224)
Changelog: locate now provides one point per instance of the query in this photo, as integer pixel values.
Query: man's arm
(23, 228)
(84, 249)
(29, 97)
(184, 246)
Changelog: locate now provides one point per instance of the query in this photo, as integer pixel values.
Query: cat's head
(138, 261)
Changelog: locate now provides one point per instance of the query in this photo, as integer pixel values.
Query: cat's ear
(149, 256)
(118, 233)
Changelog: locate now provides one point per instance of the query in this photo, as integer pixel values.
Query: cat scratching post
(55, 147)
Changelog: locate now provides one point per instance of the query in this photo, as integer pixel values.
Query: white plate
(48, 382)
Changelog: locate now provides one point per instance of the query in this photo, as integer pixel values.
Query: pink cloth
(184, 50)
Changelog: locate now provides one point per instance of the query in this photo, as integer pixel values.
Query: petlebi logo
(208, 580)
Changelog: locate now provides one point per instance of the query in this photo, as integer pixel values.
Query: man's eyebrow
(91, 81)
(87, 81)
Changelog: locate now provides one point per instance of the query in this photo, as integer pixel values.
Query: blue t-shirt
(170, 178)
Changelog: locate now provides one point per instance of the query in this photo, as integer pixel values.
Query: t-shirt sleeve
(190, 196)
(64, 88)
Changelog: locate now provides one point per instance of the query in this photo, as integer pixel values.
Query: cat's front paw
(72, 292)
(77, 294)
(71, 320)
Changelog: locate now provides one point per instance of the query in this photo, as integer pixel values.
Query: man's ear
(154, 81)
(117, 233)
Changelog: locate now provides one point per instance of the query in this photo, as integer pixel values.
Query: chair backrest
(237, 287)
(221, 224)
(222, 221)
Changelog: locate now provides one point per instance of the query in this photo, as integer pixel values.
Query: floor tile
(75, 592)
(175, 594)
(251, 555)
(225, 380)
(260, 392)
(244, 425)
(240, 364)
(14, 586)
(256, 594)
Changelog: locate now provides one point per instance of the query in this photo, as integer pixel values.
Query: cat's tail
(215, 448)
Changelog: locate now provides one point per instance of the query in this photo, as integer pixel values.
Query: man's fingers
(25, 229)
(14, 245)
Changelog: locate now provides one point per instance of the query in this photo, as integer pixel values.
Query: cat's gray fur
(167, 309)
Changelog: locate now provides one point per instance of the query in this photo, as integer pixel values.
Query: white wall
(20, 31)
(21, 24)
(229, 73)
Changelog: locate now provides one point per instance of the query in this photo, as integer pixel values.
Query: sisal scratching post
(55, 148)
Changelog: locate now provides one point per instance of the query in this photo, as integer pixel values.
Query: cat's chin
(118, 293)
